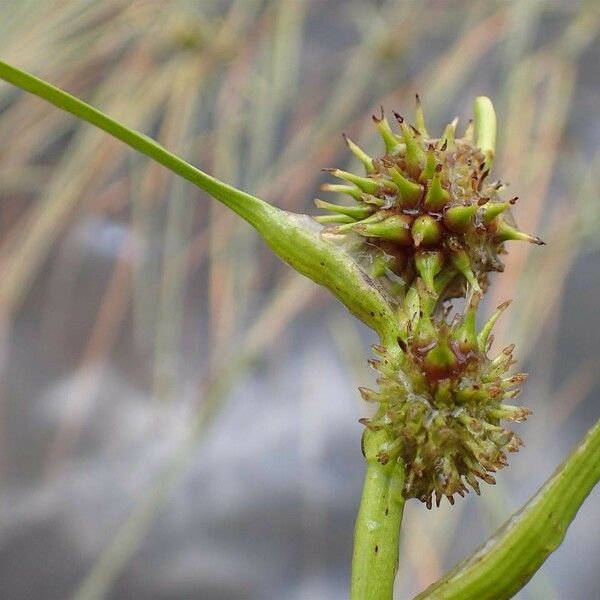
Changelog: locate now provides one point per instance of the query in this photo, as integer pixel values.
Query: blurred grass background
(178, 412)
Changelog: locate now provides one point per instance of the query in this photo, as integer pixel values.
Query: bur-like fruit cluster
(442, 398)
(426, 204)
(436, 226)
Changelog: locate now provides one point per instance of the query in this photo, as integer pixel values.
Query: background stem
(377, 531)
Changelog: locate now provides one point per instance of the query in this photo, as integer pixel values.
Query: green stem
(508, 560)
(294, 238)
(246, 205)
(377, 531)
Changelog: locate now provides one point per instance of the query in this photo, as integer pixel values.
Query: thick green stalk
(508, 560)
(377, 530)
(294, 238)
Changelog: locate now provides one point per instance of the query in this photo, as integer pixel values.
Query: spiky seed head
(440, 189)
(442, 400)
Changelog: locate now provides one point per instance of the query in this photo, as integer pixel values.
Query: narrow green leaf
(294, 238)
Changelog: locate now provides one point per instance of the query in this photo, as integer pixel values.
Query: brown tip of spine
(415, 130)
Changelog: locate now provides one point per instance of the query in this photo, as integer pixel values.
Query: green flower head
(441, 399)
(427, 204)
